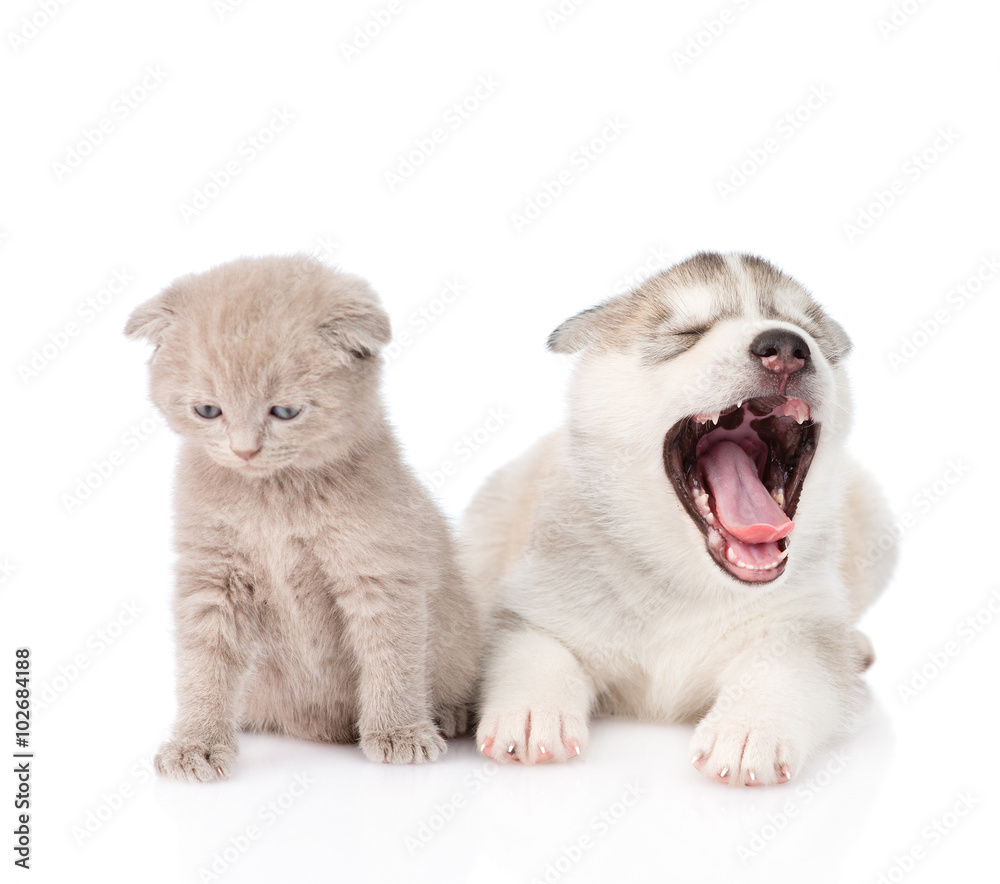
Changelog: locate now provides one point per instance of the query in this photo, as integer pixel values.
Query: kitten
(317, 593)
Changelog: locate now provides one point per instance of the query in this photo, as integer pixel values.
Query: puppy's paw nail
(512, 748)
(757, 753)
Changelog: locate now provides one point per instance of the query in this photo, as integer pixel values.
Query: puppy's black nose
(781, 351)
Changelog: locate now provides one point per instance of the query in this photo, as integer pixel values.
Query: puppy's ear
(840, 341)
(595, 327)
(151, 319)
(355, 322)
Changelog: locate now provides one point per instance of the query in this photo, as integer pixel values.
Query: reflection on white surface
(632, 809)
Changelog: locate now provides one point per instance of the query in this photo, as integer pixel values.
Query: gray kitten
(317, 593)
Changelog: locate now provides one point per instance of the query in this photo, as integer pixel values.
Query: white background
(74, 569)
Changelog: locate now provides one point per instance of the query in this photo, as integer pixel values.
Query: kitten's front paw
(532, 736)
(412, 744)
(193, 762)
(743, 753)
(453, 721)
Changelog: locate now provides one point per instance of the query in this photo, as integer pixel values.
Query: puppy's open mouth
(739, 474)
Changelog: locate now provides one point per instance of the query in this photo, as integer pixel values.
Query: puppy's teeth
(778, 496)
(710, 517)
(731, 555)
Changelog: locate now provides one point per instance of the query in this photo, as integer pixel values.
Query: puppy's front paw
(532, 736)
(743, 753)
(194, 762)
(412, 744)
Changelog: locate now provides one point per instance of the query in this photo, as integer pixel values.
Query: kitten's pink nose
(245, 454)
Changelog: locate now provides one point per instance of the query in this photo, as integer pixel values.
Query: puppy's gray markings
(317, 593)
(694, 544)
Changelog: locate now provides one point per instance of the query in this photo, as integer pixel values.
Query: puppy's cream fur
(606, 598)
(316, 589)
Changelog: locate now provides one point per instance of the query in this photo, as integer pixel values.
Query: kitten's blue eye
(284, 413)
(208, 411)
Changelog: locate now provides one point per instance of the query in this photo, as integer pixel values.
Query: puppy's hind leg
(870, 553)
(536, 700)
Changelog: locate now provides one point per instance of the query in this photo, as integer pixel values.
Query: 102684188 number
(22, 697)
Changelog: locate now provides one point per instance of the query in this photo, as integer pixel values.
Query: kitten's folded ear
(151, 319)
(355, 322)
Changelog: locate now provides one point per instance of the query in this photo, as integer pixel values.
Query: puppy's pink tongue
(742, 503)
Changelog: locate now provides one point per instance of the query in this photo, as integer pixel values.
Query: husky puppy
(694, 545)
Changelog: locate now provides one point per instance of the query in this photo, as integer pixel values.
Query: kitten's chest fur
(270, 530)
(278, 550)
(282, 533)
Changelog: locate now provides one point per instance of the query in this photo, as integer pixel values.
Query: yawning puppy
(694, 544)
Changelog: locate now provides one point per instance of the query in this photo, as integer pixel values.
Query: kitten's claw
(194, 762)
(413, 744)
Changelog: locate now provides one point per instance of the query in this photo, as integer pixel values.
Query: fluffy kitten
(317, 593)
